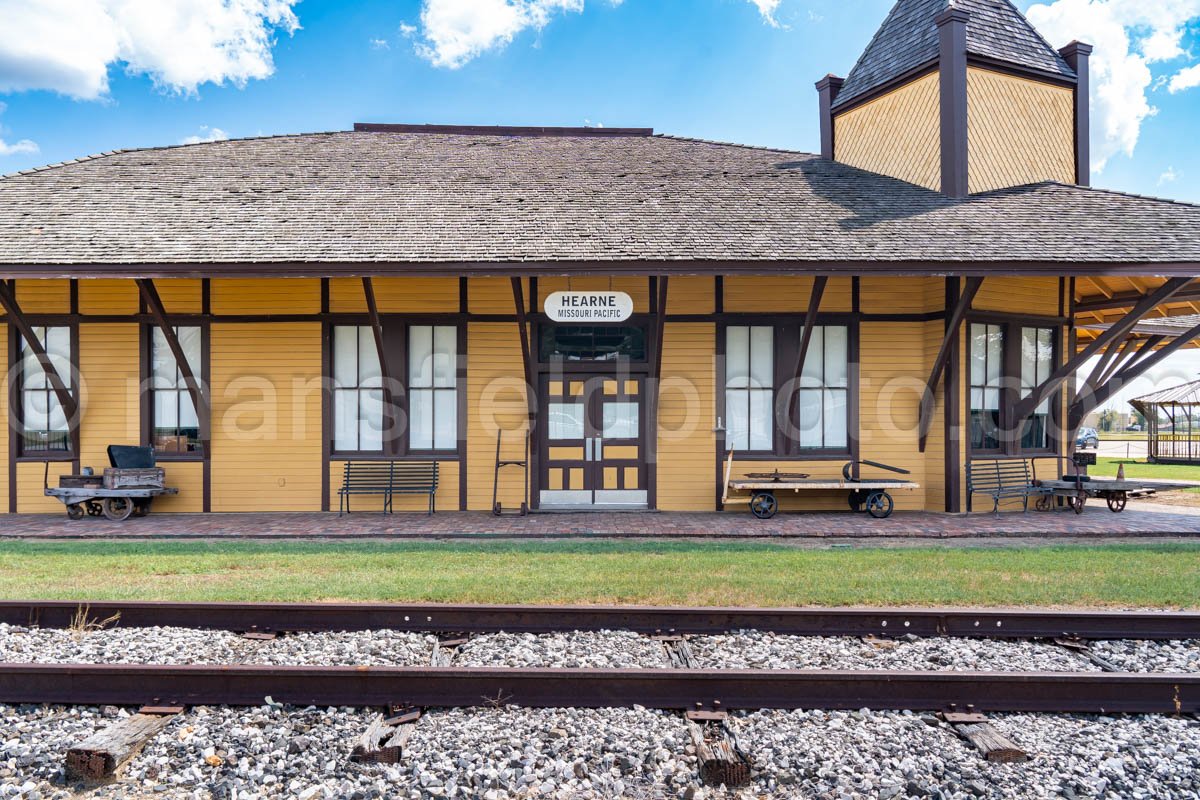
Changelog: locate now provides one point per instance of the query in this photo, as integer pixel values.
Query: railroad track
(705, 696)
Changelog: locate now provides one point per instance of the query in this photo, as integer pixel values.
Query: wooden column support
(8, 299)
(199, 400)
(954, 320)
(1118, 331)
(526, 353)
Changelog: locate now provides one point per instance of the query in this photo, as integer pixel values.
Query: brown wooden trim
(1130, 299)
(639, 267)
(856, 295)
(326, 411)
(922, 316)
(1117, 330)
(827, 92)
(919, 71)
(719, 294)
(324, 296)
(806, 329)
(952, 68)
(12, 358)
(954, 320)
(462, 376)
(952, 409)
(1076, 55)
(1029, 73)
(658, 293)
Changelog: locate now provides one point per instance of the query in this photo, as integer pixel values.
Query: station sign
(575, 307)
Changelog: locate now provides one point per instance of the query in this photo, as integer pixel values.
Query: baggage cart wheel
(1116, 502)
(94, 509)
(764, 505)
(879, 505)
(1077, 503)
(142, 507)
(118, 509)
(857, 498)
(1044, 502)
(75, 511)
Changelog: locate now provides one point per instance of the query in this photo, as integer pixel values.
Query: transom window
(176, 426)
(44, 424)
(756, 398)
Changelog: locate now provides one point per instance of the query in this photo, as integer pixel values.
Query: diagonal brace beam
(526, 353)
(1119, 330)
(8, 299)
(810, 321)
(953, 325)
(1140, 365)
(159, 312)
(376, 328)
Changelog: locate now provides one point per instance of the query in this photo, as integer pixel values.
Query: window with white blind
(1037, 362)
(44, 425)
(750, 388)
(358, 419)
(823, 410)
(433, 387)
(176, 426)
(987, 388)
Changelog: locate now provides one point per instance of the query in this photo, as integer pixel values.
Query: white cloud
(1169, 176)
(454, 32)
(67, 46)
(19, 147)
(380, 44)
(206, 134)
(1129, 36)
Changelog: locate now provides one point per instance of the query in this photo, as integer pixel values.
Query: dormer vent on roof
(961, 96)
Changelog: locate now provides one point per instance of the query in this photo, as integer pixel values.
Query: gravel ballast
(759, 650)
(579, 649)
(1146, 656)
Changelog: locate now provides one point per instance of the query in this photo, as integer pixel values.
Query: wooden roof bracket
(199, 400)
(810, 321)
(1146, 359)
(8, 299)
(376, 328)
(526, 354)
(1108, 364)
(954, 321)
(1119, 330)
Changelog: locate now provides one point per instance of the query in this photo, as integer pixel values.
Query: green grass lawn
(1143, 469)
(686, 573)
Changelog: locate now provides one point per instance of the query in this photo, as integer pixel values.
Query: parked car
(1134, 428)
(1087, 437)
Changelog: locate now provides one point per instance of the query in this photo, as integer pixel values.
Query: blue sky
(734, 70)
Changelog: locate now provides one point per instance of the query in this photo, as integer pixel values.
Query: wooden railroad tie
(99, 757)
(722, 761)
(976, 729)
(1084, 649)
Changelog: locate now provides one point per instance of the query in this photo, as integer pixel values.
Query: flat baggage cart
(127, 489)
(761, 489)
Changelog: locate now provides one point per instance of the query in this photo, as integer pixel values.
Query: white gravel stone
(582, 649)
(358, 648)
(1147, 656)
(118, 646)
(759, 650)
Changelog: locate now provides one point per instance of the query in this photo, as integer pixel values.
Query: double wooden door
(593, 433)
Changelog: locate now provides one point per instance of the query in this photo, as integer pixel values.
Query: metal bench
(1001, 479)
(388, 478)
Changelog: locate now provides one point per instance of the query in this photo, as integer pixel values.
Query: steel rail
(244, 685)
(307, 617)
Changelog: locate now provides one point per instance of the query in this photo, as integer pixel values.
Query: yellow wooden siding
(496, 400)
(446, 496)
(4, 415)
(395, 295)
(1019, 131)
(897, 134)
(1018, 295)
(110, 367)
(188, 478)
(691, 295)
(108, 296)
(900, 295)
(893, 373)
(638, 288)
(266, 448)
(266, 296)
(180, 295)
(31, 499)
(783, 294)
(686, 444)
(493, 295)
(44, 296)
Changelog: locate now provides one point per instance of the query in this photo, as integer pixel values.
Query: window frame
(1010, 381)
(397, 403)
(147, 388)
(16, 401)
(788, 329)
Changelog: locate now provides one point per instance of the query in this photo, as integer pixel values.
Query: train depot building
(628, 307)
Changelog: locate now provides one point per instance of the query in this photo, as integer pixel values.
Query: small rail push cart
(1074, 489)
(126, 489)
(870, 494)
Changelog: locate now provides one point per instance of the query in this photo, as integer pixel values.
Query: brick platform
(1140, 519)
